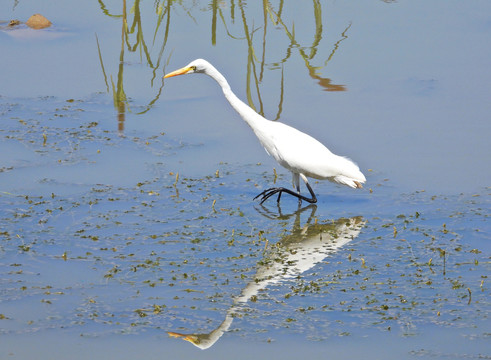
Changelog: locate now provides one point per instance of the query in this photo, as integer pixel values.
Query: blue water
(122, 222)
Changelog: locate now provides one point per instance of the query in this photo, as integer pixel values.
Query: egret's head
(196, 66)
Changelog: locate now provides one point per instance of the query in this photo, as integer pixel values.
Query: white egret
(296, 151)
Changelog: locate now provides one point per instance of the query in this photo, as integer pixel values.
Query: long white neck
(246, 112)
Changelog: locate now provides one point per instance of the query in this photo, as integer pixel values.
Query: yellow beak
(188, 337)
(181, 71)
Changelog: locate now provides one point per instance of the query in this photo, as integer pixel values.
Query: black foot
(266, 194)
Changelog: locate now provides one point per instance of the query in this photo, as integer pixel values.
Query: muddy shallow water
(126, 206)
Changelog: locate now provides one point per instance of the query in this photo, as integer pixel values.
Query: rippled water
(126, 211)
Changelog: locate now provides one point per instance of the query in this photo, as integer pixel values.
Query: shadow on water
(133, 40)
(299, 251)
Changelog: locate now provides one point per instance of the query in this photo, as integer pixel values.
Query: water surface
(126, 202)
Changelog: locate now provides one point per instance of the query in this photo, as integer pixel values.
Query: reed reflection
(313, 70)
(133, 40)
(261, 31)
(299, 251)
(257, 54)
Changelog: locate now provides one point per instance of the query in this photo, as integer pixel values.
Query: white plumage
(296, 151)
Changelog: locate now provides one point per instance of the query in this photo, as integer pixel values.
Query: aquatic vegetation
(121, 222)
(169, 251)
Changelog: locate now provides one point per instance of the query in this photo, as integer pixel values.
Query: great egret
(296, 151)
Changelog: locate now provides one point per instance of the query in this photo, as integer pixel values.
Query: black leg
(266, 194)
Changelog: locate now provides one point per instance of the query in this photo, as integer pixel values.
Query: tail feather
(344, 180)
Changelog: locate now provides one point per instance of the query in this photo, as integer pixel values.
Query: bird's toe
(266, 194)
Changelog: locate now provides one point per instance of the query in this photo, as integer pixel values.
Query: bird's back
(301, 153)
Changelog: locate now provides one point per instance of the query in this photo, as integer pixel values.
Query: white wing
(301, 153)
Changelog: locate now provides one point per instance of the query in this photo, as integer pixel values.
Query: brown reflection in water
(134, 41)
(121, 103)
(257, 55)
(326, 83)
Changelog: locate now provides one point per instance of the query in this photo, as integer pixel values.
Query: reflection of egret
(295, 254)
(296, 151)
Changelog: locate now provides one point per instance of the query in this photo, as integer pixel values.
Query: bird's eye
(194, 68)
